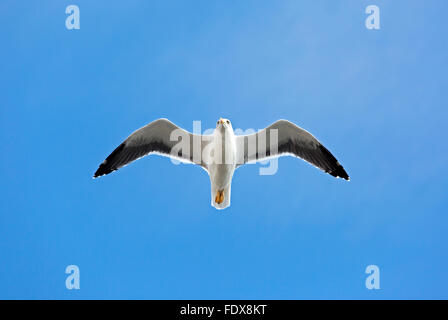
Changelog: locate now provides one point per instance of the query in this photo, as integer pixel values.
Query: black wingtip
(101, 171)
(340, 173)
(106, 166)
(97, 173)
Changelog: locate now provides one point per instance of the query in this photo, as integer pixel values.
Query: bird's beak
(221, 121)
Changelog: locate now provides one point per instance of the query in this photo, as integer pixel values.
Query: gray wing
(292, 140)
(160, 136)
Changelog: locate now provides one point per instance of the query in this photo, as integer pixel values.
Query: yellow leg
(219, 197)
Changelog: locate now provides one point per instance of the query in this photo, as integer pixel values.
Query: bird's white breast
(223, 159)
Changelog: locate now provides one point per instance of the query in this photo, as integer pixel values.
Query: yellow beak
(221, 121)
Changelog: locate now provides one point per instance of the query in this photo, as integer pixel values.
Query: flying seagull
(222, 152)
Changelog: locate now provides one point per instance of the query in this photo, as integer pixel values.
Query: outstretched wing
(160, 136)
(292, 140)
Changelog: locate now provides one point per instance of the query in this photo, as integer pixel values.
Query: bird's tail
(220, 197)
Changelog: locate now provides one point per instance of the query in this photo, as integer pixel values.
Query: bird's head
(223, 124)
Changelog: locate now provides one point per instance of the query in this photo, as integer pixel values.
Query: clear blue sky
(376, 99)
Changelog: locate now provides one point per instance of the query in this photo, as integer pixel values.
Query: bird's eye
(217, 122)
(228, 122)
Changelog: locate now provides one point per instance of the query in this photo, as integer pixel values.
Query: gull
(222, 152)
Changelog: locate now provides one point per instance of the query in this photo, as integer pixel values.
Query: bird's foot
(219, 197)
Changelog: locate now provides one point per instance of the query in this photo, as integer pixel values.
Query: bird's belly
(221, 174)
(223, 165)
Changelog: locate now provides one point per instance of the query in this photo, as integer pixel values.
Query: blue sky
(375, 98)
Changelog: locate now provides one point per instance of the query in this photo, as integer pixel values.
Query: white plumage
(221, 152)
